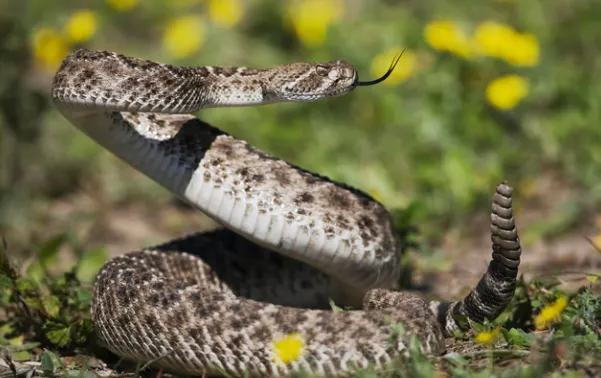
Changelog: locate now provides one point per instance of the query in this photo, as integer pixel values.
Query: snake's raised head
(312, 81)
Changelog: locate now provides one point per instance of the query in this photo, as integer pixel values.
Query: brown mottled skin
(215, 302)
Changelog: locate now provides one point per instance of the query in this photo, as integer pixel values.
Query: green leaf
(518, 337)
(34, 303)
(51, 363)
(57, 333)
(6, 329)
(26, 285)
(52, 305)
(334, 307)
(18, 350)
(82, 330)
(455, 358)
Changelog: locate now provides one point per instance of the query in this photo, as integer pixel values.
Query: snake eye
(321, 70)
(334, 74)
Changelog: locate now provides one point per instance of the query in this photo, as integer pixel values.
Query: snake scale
(215, 302)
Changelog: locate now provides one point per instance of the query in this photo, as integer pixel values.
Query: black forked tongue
(395, 60)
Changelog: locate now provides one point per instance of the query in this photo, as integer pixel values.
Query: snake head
(313, 81)
(303, 82)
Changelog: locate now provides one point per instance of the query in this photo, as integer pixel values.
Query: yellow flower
(184, 36)
(550, 313)
(225, 13)
(503, 42)
(311, 18)
(49, 48)
(488, 337)
(445, 35)
(81, 26)
(525, 51)
(404, 68)
(122, 5)
(289, 348)
(494, 39)
(507, 91)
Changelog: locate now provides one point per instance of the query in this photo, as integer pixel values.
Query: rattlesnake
(217, 301)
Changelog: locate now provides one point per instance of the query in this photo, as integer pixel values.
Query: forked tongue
(393, 64)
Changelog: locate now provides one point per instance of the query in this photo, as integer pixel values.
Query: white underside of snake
(215, 302)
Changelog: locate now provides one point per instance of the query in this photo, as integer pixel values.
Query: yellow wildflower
(311, 19)
(184, 36)
(487, 337)
(525, 51)
(81, 26)
(507, 91)
(225, 13)
(502, 41)
(49, 48)
(404, 68)
(122, 5)
(289, 348)
(550, 313)
(494, 39)
(445, 35)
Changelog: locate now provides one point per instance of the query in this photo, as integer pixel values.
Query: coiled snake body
(217, 301)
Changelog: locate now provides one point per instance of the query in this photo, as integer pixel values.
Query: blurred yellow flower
(507, 91)
(81, 26)
(49, 48)
(494, 39)
(550, 313)
(488, 337)
(525, 51)
(403, 70)
(446, 35)
(122, 5)
(289, 348)
(225, 13)
(502, 41)
(311, 19)
(184, 36)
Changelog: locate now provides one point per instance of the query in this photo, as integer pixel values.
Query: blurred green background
(485, 91)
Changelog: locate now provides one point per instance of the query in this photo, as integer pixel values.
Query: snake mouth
(310, 97)
(393, 64)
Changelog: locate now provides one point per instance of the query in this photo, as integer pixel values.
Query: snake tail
(496, 288)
